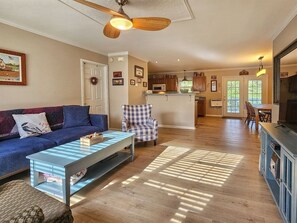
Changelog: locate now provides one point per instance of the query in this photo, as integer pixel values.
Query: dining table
(261, 107)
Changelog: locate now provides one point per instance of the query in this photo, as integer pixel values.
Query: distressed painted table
(65, 160)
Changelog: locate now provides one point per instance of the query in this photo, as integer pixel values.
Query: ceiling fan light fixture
(121, 23)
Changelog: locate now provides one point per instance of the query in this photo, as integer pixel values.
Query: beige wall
(213, 111)
(284, 39)
(127, 94)
(136, 93)
(53, 70)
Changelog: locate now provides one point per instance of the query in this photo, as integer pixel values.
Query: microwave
(159, 87)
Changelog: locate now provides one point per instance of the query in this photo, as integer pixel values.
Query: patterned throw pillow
(32, 124)
(33, 214)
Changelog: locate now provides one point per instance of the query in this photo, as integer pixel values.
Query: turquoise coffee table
(65, 160)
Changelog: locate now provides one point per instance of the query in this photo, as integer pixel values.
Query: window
(233, 96)
(255, 92)
(186, 85)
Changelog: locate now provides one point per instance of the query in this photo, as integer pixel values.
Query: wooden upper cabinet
(169, 80)
(199, 83)
(171, 83)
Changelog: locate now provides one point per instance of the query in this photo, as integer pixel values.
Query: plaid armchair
(137, 119)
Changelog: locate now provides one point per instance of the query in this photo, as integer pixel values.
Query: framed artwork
(213, 77)
(139, 80)
(138, 71)
(117, 82)
(117, 74)
(144, 84)
(213, 86)
(12, 68)
(132, 82)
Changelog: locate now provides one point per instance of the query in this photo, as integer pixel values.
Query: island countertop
(174, 110)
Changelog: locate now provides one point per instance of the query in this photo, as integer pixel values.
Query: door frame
(105, 83)
(244, 96)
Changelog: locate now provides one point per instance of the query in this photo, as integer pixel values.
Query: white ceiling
(205, 34)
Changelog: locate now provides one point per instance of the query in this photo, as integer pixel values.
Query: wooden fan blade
(151, 23)
(110, 31)
(99, 7)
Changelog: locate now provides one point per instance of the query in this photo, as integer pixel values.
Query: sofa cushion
(62, 136)
(54, 115)
(75, 115)
(32, 124)
(13, 152)
(8, 128)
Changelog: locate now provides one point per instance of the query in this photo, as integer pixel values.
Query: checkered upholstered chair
(137, 119)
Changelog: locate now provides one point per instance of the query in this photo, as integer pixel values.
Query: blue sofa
(13, 150)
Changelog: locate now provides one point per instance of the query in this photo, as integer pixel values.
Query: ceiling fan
(121, 21)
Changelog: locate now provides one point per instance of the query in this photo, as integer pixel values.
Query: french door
(238, 89)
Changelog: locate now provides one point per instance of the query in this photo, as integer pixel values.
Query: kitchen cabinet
(201, 106)
(169, 80)
(199, 83)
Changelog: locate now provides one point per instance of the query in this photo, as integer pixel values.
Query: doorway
(238, 89)
(94, 86)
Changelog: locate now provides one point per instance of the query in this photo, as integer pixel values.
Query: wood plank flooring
(205, 175)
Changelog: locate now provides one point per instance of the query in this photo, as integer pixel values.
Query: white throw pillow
(32, 124)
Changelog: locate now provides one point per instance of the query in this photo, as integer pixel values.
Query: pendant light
(185, 79)
(261, 71)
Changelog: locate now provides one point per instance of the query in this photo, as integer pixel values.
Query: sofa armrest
(32, 214)
(100, 121)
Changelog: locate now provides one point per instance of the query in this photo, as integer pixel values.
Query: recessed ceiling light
(178, 60)
(156, 62)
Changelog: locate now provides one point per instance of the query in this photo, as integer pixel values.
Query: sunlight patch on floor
(165, 157)
(201, 166)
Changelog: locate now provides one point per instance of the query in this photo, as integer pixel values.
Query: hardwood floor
(205, 175)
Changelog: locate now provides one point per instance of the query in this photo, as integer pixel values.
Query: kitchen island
(174, 110)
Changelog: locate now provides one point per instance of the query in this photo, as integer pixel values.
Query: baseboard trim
(219, 116)
(177, 127)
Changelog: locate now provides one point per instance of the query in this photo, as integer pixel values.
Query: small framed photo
(138, 71)
(144, 84)
(118, 81)
(12, 68)
(213, 86)
(117, 74)
(132, 82)
(139, 80)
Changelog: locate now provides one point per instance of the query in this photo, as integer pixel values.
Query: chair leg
(155, 142)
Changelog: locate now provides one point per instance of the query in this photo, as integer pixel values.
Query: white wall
(284, 39)
(53, 70)
(136, 92)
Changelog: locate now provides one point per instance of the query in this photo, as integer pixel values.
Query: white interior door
(94, 94)
(233, 100)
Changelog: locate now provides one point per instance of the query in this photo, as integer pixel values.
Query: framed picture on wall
(144, 84)
(132, 82)
(138, 71)
(12, 68)
(117, 74)
(213, 86)
(118, 81)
